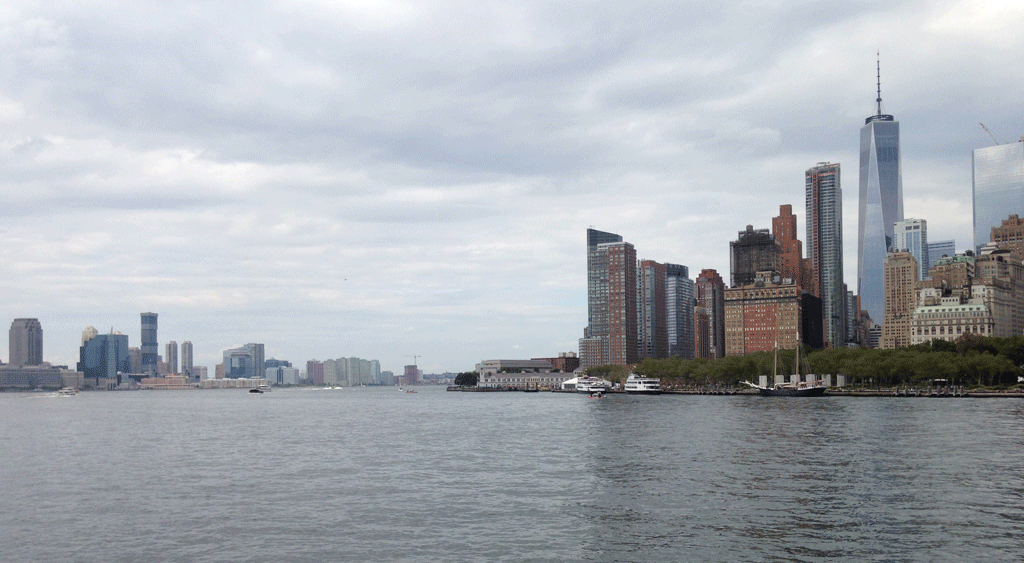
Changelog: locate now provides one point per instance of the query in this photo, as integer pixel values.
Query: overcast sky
(388, 179)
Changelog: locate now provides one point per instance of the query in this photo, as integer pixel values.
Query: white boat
(811, 387)
(641, 385)
(265, 388)
(67, 392)
(587, 384)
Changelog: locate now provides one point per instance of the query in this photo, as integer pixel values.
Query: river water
(374, 474)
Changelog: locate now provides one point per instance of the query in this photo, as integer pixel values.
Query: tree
(467, 379)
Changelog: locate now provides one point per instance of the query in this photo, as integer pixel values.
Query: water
(377, 475)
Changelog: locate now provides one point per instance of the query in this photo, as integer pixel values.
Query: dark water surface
(373, 474)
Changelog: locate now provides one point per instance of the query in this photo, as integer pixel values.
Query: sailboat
(815, 388)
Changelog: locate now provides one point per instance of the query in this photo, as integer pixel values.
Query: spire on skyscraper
(878, 71)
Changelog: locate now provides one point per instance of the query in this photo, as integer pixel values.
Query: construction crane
(414, 357)
(989, 133)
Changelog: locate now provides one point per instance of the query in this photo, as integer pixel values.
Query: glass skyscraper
(912, 237)
(824, 206)
(881, 205)
(998, 174)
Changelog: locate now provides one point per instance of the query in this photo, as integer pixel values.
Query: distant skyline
(403, 179)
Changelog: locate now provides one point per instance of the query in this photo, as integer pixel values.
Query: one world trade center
(881, 205)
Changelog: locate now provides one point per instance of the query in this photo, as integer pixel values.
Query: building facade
(912, 236)
(187, 359)
(790, 248)
(761, 317)
(901, 271)
(149, 344)
(753, 251)
(245, 362)
(711, 296)
(679, 300)
(881, 205)
(104, 358)
(1009, 235)
(652, 314)
(612, 335)
(998, 187)
(26, 342)
(172, 357)
(824, 207)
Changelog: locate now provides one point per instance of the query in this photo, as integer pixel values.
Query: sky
(396, 179)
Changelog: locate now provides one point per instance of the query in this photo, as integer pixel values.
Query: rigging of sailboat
(795, 387)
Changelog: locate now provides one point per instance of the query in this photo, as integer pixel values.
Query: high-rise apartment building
(701, 333)
(711, 296)
(791, 248)
(315, 372)
(653, 311)
(901, 272)
(753, 251)
(26, 342)
(172, 357)
(612, 335)
(881, 205)
(824, 205)
(912, 236)
(762, 316)
(679, 300)
(187, 359)
(150, 350)
(998, 181)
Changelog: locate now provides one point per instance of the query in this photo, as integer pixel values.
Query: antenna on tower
(878, 63)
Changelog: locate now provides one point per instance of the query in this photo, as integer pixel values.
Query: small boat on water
(67, 392)
(792, 389)
(641, 385)
(256, 390)
(597, 395)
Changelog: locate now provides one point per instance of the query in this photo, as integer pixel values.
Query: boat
(264, 388)
(597, 395)
(586, 384)
(67, 392)
(256, 390)
(642, 385)
(811, 388)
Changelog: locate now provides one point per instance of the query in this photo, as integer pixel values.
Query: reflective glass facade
(998, 174)
(824, 198)
(912, 237)
(881, 205)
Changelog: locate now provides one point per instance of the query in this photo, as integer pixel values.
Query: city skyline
(413, 179)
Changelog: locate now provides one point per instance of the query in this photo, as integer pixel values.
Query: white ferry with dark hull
(640, 385)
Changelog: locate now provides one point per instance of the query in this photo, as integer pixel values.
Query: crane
(989, 133)
(414, 357)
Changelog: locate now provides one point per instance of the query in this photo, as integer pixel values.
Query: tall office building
(753, 251)
(245, 362)
(172, 357)
(824, 206)
(912, 236)
(711, 297)
(881, 204)
(938, 250)
(653, 311)
(26, 342)
(679, 300)
(187, 358)
(611, 336)
(104, 356)
(150, 351)
(1010, 235)
(998, 180)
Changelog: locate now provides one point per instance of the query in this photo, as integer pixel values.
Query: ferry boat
(588, 384)
(641, 385)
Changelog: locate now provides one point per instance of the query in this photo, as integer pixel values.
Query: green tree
(467, 379)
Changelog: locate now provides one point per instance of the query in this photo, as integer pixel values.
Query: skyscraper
(104, 356)
(187, 358)
(912, 237)
(679, 301)
(998, 180)
(653, 310)
(246, 361)
(753, 251)
(939, 249)
(149, 344)
(791, 258)
(612, 336)
(26, 342)
(881, 204)
(172, 357)
(824, 207)
(711, 297)
(900, 274)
